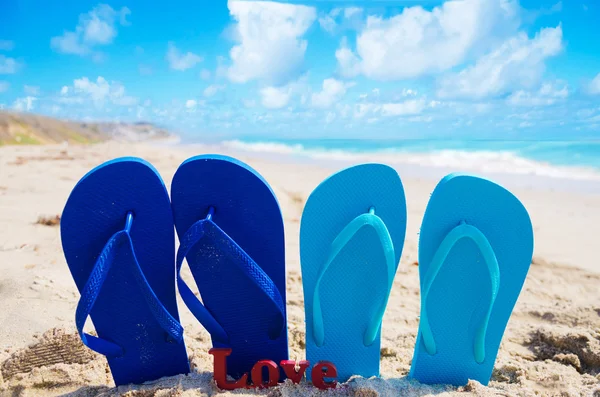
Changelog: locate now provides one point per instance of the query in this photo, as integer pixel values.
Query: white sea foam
(484, 161)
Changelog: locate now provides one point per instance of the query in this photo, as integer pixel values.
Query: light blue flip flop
(351, 239)
(475, 248)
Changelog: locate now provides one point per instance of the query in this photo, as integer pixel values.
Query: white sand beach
(551, 346)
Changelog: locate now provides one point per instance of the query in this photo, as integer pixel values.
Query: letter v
(289, 367)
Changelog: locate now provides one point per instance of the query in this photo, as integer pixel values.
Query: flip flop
(351, 238)
(118, 239)
(475, 248)
(231, 233)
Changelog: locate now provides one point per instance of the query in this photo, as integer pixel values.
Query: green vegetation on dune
(31, 129)
(24, 139)
(17, 129)
(73, 136)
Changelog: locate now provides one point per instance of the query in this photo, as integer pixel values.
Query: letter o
(257, 379)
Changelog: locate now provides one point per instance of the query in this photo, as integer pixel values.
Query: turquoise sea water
(562, 159)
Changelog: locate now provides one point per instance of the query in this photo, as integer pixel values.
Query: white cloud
(330, 117)
(6, 45)
(4, 85)
(179, 61)
(275, 97)
(518, 63)
(406, 92)
(140, 112)
(98, 57)
(124, 100)
(249, 103)
(24, 104)
(557, 7)
(100, 25)
(64, 90)
(97, 27)
(212, 90)
(270, 46)
(205, 74)
(71, 100)
(594, 119)
(8, 65)
(408, 107)
(190, 104)
(362, 109)
(222, 68)
(69, 43)
(421, 119)
(333, 91)
(525, 124)
(31, 90)
(348, 62)
(332, 20)
(99, 92)
(327, 23)
(593, 88)
(350, 12)
(547, 95)
(145, 70)
(482, 107)
(418, 42)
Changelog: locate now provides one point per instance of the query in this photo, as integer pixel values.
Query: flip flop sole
(95, 210)
(356, 282)
(460, 294)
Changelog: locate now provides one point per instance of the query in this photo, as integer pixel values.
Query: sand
(551, 346)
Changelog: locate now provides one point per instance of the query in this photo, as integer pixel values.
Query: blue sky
(500, 69)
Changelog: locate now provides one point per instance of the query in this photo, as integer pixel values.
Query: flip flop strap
(207, 228)
(459, 232)
(93, 287)
(349, 231)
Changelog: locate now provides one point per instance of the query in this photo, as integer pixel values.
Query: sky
(485, 69)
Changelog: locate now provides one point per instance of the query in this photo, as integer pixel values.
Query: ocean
(574, 160)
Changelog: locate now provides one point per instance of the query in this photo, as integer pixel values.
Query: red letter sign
(324, 369)
(220, 371)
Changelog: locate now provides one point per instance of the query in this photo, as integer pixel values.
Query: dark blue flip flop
(118, 239)
(231, 232)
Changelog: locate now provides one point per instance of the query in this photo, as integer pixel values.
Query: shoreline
(562, 182)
